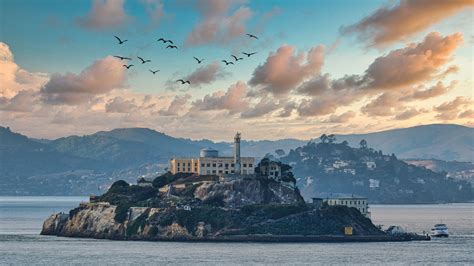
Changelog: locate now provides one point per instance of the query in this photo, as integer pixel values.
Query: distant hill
(439, 141)
(78, 165)
(454, 169)
(336, 168)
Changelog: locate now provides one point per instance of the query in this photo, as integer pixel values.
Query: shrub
(121, 213)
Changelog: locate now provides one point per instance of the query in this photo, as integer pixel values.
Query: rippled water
(20, 243)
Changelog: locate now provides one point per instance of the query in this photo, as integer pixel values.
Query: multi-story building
(209, 163)
(360, 204)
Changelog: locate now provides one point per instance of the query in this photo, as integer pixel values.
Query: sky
(319, 66)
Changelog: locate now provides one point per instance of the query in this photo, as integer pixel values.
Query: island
(212, 198)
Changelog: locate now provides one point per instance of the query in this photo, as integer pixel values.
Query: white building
(209, 163)
(360, 204)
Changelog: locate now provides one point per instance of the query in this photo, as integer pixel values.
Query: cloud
(467, 114)
(409, 113)
(206, 74)
(24, 101)
(105, 14)
(120, 105)
(99, 78)
(232, 100)
(287, 109)
(342, 118)
(414, 63)
(394, 23)
(450, 110)
(176, 106)
(433, 91)
(387, 103)
(14, 79)
(327, 103)
(283, 70)
(218, 24)
(265, 106)
(154, 10)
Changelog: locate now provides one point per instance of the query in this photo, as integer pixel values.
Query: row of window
(189, 164)
(226, 165)
(213, 165)
(345, 202)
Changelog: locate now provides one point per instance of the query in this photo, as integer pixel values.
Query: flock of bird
(171, 45)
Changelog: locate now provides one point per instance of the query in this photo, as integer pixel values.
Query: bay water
(21, 219)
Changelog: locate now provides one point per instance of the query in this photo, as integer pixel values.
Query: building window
(226, 165)
(208, 172)
(250, 165)
(213, 165)
(202, 165)
(208, 165)
(220, 171)
(178, 164)
(233, 165)
(213, 171)
(245, 165)
(226, 172)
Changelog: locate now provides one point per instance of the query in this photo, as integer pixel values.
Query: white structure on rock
(359, 203)
(209, 163)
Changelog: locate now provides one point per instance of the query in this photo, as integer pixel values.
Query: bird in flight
(252, 36)
(143, 60)
(237, 58)
(227, 63)
(120, 41)
(172, 46)
(183, 81)
(128, 67)
(122, 58)
(248, 54)
(154, 72)
(165, 41)
(199, 61)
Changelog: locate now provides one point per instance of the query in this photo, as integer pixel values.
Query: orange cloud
(451, 110)
(217, 26)
(105, 14)
(283, 70)
(390, 24)
(232, 100)
(14, 79)
(414, 63)
(99, 78)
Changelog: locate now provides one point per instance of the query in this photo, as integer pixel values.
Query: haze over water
(21, 219)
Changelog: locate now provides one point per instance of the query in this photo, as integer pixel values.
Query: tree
(331, 138)
(323, 138)
(280, 152)
(363, 144)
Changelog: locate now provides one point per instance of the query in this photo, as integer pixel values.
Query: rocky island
(213, 198)
(196, 208)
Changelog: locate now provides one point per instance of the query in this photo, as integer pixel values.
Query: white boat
(439, 230)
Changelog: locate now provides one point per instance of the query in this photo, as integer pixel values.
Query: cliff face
(244, 192)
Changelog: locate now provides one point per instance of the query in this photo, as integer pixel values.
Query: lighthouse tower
(237, 166)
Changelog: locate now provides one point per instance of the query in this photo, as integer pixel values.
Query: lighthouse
(237, 166)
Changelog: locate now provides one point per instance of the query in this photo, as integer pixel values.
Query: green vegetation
(273, 211)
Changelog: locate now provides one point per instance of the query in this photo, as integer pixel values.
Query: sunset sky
(321, 66)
